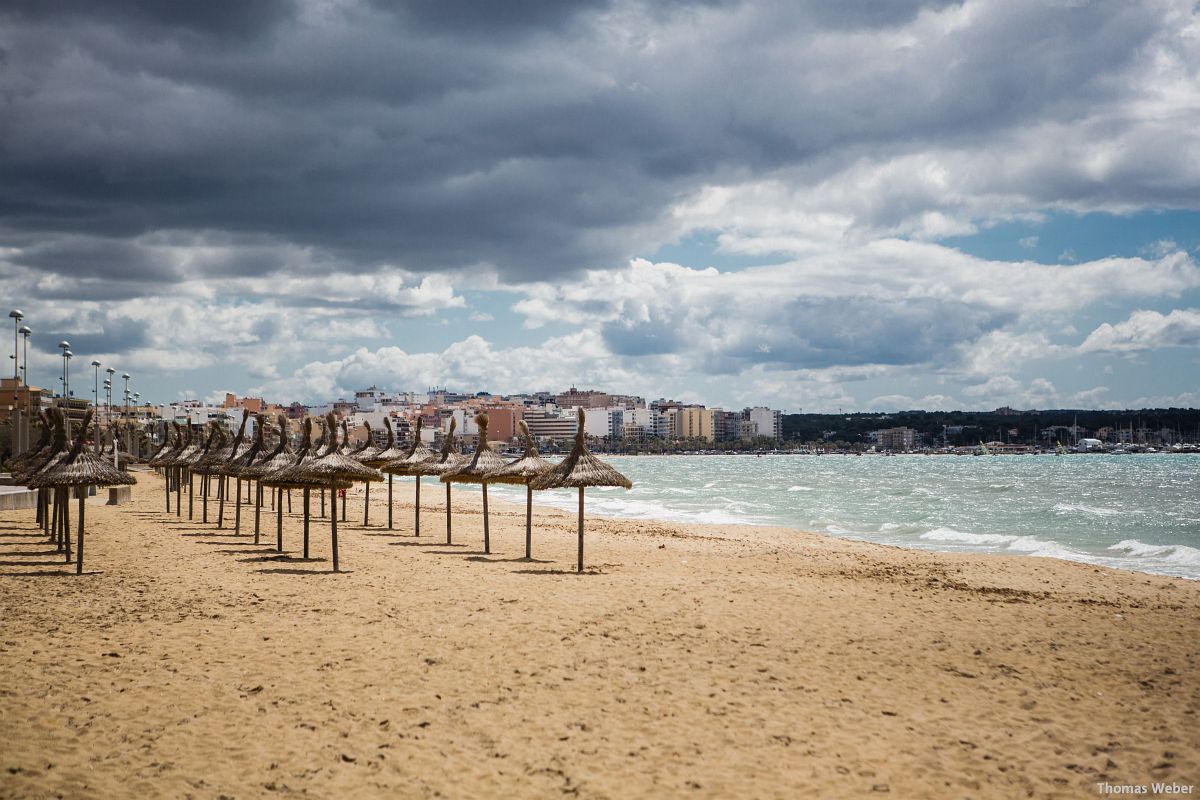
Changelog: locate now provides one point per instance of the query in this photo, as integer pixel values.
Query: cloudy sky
(811, 205)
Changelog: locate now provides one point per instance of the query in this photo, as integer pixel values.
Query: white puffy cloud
(1146, 330)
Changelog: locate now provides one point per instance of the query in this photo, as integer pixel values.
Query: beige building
(694, 423)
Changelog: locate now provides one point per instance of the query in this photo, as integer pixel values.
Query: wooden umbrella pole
(204, 497)
(417, 513)
(178, 491)
(167, 488)
(345, 502)
(487, 540)
(66, 524)
(448, 513)
(237, 509)
(79, 546)
(322, 504)
(580, 569)
(258, 496)
(306, 523)
(222, 485)
(528, 521)
(39, 517)
(390, 476)
(367, 506)
(289, 498)
(279, 524)
(191, 493)
(333, 524)
(54, 518)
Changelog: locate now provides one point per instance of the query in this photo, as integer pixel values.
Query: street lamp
(126, 416)
(66, 381)
(96, 401)
(16, 315)
(108, 403)
(24, 429)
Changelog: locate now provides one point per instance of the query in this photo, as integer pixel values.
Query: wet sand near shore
(687, 661)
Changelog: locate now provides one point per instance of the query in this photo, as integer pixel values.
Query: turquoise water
(1139, 512)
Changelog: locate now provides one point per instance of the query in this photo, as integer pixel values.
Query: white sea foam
(1079, 508)
(801, 489)
(1172, 553)
(963, 537)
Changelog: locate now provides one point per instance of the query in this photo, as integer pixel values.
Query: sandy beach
(690, 661)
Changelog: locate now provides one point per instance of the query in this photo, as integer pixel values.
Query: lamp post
(108, 410)
(96, 401)
(137, 402)
(125, 416)
(65, 346)
(16, 315)
(24, 428)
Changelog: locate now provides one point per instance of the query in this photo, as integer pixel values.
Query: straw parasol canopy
(239, 457)
(369, 454)
(280, 457)
(18, 465)
(401, 464)
(448, 460)
(332, 470)
(80, 467)
(51, 455)
(483, 461)
(417, 454)
(522, 471)
(171, 443)
(580, 469)
(162, 448)
(246, 458)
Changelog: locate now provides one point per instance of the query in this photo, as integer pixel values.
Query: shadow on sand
(313, 573)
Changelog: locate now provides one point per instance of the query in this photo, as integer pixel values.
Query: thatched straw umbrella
(197, 446)
(220, 463)
(281, 478)
(19, 464)
(204, 464)
(47, 458)
(579, 470)
(282, 456)
(335, 470)
(447, 461)
(475, 470)
(384, 455)
(523, 470)
(174, 460)
(363, 454)
(156, 461)
(417, 454)
(239, 461)
(80, 469)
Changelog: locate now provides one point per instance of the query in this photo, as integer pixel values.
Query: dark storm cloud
(105, 334)
(537, 136)
(241, 18)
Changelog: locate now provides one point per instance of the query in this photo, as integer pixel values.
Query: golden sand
(689, 661)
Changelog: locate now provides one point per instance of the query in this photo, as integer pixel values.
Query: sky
(811, 206)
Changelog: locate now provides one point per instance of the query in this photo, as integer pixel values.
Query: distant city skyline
(868, 208)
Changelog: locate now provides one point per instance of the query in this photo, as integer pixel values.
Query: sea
(1134, 512)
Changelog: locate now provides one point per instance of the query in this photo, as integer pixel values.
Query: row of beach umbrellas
(331, 466)
(58, 469)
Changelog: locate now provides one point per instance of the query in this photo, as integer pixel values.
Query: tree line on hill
(965, 428)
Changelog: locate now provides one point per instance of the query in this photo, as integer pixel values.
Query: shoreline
(705, 661)
(1096, 559)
